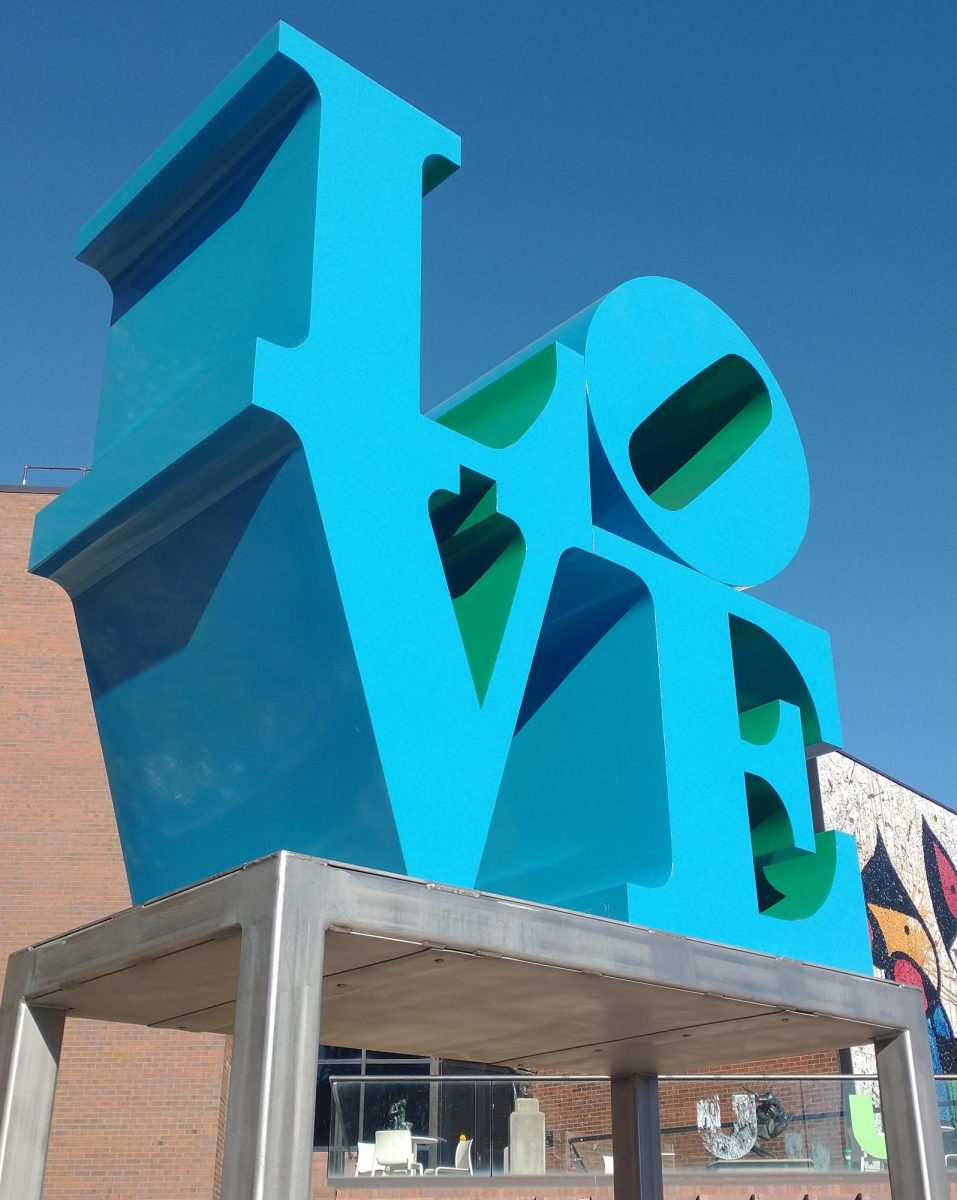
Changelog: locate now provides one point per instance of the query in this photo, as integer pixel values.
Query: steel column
(30, 1039)
(915, 1155)
(636, 1137)
(272, 1086)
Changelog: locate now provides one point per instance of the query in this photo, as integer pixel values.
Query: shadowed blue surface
(220, 736)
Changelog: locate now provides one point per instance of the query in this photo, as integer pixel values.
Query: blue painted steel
(305, 621)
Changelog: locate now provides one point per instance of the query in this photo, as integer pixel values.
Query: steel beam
(636, 1137)
(30, 1039)
(272, 1085)
(915, 1155)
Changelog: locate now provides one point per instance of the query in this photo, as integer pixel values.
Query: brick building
(130, 1102)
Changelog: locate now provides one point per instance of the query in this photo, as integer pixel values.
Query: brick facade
(137, 1111)
(578, 1115)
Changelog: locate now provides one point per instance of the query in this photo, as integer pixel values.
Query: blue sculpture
(501, 645)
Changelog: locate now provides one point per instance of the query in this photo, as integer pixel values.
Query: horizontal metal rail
(536, 1079)
(36, 467)
(520, 1079)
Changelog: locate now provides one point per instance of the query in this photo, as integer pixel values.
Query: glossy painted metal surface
(499, 645)
(311, 933)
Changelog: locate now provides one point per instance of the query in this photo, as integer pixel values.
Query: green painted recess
(792, 884)
(759, 725)
(482, 554)
(700, 432)
(503, 411)
(795, 889)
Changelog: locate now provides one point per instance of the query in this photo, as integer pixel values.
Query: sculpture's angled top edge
(283, 66)
(254, 61)
(571, 333)
(323, 66)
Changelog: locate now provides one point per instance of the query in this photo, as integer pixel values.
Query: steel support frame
(636, 1137)
(283, 907)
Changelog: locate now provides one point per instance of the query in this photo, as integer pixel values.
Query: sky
(793, 161)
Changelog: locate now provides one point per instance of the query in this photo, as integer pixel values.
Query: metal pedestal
(397, 964)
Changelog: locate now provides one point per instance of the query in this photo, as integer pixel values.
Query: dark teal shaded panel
(187, 314)
(227, 695)
(583, 803)
(587, 599)
(149, 611)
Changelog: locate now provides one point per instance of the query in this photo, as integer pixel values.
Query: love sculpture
(502, 645)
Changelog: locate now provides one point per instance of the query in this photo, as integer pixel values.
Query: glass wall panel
(742, 1129)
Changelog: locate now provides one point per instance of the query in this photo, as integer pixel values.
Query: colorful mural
(908, 847)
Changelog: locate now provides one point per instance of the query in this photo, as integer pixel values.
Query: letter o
(694, 451)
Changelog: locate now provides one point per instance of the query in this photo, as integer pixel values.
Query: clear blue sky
(794, 161)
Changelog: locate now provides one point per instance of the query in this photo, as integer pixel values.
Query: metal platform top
(290, 951)
(420, 968)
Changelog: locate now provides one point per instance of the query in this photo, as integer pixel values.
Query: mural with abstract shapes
(903, 946)
(908, 848)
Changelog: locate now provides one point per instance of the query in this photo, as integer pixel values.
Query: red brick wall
(583, 1110)
(679, 1105)
(137, 1111)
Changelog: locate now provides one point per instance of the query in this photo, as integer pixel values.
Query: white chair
(365, 1158)
(463, 1161)
(394, 1153)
